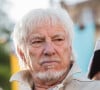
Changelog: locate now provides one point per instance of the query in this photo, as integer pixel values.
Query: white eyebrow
(58, 34)
(36, 36)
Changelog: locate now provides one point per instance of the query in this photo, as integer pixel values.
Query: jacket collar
(74, 70)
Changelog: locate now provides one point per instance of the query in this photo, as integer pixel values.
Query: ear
(21, 54)
(70, 48)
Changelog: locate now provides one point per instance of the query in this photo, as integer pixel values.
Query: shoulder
(82, 84)
(87, 84)
(24, 78)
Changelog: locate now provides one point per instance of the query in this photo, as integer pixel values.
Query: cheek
(66, 51)
(66, 55)
(35, 55)
(35, 52)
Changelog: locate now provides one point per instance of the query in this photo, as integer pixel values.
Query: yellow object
(14, 68)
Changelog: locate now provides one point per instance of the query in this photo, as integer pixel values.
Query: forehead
(44, 23)
(49, 29)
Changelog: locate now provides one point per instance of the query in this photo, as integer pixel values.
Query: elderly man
(43, 43)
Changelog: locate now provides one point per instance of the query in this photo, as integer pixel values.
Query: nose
(49, 49)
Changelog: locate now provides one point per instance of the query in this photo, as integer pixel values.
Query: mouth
(49, 63)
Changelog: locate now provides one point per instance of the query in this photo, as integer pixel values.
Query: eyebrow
(36, 36)
(58, 35)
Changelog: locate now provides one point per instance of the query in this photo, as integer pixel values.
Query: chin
(50, 75)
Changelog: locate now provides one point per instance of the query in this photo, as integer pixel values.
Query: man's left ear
(70, 48)
(71, 52)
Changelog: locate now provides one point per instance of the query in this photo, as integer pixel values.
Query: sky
(20, 7)
(74, 1)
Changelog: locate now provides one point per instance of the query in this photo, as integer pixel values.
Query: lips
(49, 62)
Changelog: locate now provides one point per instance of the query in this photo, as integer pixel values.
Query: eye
(37, 43)
(58, 41)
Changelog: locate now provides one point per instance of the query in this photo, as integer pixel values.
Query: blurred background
(86, 17)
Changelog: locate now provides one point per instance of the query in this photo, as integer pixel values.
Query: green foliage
(4, 68)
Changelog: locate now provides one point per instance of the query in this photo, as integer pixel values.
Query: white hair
(36, 18)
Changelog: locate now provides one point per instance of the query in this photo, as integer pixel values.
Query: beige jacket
(71, 82)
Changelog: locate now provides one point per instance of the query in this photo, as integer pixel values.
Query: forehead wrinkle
(58, 32)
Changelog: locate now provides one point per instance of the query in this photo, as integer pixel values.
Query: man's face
(49, 49)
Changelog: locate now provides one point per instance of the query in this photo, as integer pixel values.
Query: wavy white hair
(36, 18)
